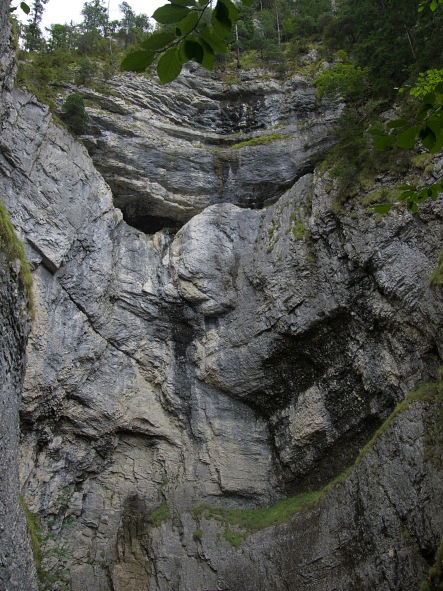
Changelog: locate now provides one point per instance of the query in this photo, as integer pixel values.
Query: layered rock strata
(246, 357)
(168, 152)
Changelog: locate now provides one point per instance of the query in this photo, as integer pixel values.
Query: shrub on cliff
(74, 113)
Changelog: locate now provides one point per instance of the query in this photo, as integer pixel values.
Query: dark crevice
(149, 224)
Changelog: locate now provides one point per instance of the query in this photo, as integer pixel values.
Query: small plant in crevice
(197, 534)
(160, 515)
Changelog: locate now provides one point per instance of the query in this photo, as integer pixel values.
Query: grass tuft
(160, 515)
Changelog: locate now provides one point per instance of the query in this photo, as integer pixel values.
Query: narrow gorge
(216, 348)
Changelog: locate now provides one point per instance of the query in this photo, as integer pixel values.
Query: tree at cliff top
(33, 35)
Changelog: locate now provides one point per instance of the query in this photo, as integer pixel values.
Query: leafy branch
(23, 6)
(427, 130)
(433, 4)
(189, 39)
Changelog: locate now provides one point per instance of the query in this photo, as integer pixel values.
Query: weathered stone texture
(166, 151)
(17, 571)
(247, 356)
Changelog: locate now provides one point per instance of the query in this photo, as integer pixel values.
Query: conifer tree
(33, 35)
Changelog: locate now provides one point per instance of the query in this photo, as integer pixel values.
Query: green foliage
(434, 581)
(426, 82)
(342, 80)
(160, 515)
(433, 4)
(353, 162)
(74, 113)
(85, 71)
(427, 129)
(189, 38)
(25, 8)
(235, 538)
(197, 534)
(14, 250)
(252, 520)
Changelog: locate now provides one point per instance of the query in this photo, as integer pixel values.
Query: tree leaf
(187, 24)
(375, 131)
(232, 10)
(158, 40)
(407, 139)
(192, 49)
(247, 2)
(137, 61)
(25, 7)
(383, 141)
(427, 137)
(170, 13)
(221, 23)
(395, 123)
(212, 39)
(169, 66)
(384, 208)
(208, 61)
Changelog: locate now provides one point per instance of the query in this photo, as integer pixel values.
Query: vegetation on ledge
(248, 521)
(15, 250)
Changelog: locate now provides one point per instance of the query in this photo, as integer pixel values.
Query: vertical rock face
(17, 571)
(248, 356)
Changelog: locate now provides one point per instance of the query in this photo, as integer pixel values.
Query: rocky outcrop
(168, 152)
(244, 358)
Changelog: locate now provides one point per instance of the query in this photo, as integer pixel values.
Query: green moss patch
(252, 520)
(240, 523)
(33, 527)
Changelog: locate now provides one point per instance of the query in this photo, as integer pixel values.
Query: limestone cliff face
(247, 356)
(17, 572)
(167, 154)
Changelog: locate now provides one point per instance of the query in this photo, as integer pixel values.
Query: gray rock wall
(246, 357)
(17, 570)
(167, 153)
